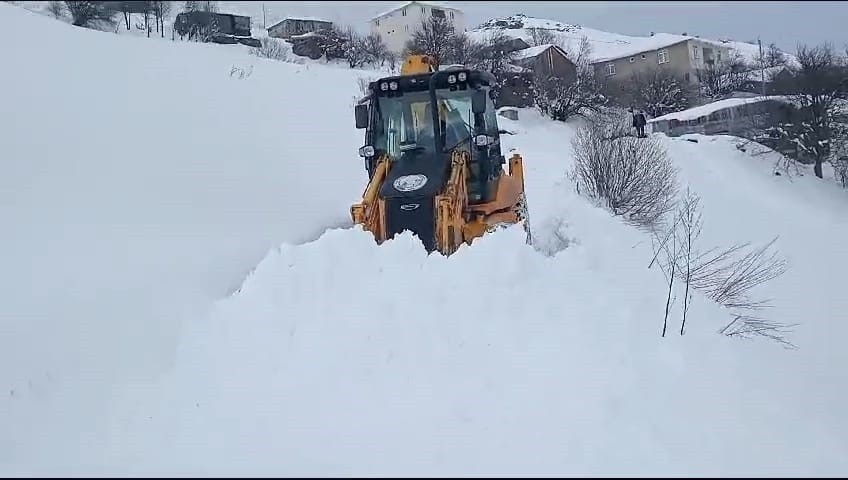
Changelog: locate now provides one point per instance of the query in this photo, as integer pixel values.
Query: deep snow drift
(140, 181)
(339, 357)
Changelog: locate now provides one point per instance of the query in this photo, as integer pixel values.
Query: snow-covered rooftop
(307, 19)
(532, 51)
(406, 4)
(300, 19)
(604, 45)
(697, 112)
(646, 44)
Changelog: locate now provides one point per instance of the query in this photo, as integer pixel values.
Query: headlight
(384, 86)
(462, 76)
(482, 140)
(393, 86)
(452, 79)
(366, 151)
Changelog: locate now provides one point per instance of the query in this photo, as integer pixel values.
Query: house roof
(649, 44)
(534, 51)
(756, 75)
(697, 112)
(406, 4)
(302, 19)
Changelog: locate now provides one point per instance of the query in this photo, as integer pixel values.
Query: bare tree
(434, 37)
(333, 43)
(560, 98)
(493, 54)
(201, 6)
(541, 36)
(344, 43)
(818, 85)
(91, 13)
(657, 91)
(464, 51)
(161, 9)
(375, 49)
(354, 49)
(632, 176)
(773, 57)
(723, 77)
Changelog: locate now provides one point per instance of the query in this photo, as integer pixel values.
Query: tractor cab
(417, 122)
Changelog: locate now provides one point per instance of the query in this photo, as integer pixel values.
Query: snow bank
(140, 181)
(339, 357)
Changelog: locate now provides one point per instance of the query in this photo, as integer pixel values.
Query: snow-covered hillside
(605, 45)
(143, 182)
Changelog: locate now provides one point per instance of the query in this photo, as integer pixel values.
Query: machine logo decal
(409, 207)
(409, 183)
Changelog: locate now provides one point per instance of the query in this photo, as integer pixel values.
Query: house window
(644, 56)
(451, 15)
(610, 69)
(632, 59)
(687, 76)
(403, 12)
(406, 28)
(662, 56)
(423, 10)
(378, 22)
(695, 52)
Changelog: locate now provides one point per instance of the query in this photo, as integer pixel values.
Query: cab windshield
(405, 123)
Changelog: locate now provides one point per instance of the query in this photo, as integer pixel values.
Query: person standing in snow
(639, 121)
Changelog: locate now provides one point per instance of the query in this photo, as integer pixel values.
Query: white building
(397, 25)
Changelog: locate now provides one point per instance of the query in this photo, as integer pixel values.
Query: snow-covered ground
(143, 182)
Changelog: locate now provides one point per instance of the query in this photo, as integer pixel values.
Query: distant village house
(683, 56)
(542, 61)
(293, 26)
(396, 26)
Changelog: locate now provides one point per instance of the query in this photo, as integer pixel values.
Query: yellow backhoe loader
(433, 156)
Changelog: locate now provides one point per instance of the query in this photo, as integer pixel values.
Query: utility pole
(762, 68)
(263, 16)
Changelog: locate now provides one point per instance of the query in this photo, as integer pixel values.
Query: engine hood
(416, 175)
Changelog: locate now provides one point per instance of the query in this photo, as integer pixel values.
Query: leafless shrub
(840, 166)
(272, 48)
(748, 327)
(240, 72)
(90, 13)
(632, 176)
(56, 8)
(726, 276)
